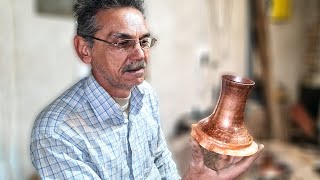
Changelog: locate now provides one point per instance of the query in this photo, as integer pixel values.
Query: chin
(138, 81)
(131, 83)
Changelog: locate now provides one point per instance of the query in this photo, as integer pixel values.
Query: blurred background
(276, 43)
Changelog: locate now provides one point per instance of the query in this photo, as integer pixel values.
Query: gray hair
(85, 12)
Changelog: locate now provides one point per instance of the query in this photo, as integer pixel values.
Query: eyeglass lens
(145, 43)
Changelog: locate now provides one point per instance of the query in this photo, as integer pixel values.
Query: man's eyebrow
(127, 36)
(145, 35)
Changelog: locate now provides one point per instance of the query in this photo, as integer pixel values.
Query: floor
(296, 163)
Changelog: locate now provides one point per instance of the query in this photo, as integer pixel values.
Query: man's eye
(123, 43)
(144, 42)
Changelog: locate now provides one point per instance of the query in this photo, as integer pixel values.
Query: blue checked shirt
(83, 134)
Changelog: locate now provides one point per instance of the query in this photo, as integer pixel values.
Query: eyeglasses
(127, 44)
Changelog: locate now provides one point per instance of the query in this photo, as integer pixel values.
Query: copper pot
(224, 131)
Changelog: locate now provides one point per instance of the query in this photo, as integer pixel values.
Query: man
(107, 125)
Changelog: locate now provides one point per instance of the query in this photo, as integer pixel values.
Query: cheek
(110, 61)
(116, 62)
(147, 56)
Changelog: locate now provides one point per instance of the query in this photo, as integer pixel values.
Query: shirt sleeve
(56, 158)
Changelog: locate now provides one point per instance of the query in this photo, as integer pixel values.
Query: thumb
(197, 153)
(243, 165)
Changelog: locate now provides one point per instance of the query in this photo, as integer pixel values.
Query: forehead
(121, 20)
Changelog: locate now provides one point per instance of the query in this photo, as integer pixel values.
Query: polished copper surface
(224, 130)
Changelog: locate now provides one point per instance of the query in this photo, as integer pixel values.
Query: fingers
(236, 159)
(225, 157)
(258, 153)
(197, 153)
(246, 162)
(242, 165)
(223, 161)
(196, 166)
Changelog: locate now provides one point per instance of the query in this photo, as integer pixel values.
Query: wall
(287, 48)
(287, 52)
(184, 35)
(7, 93)
(38, 63)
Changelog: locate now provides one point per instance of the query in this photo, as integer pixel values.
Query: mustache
(135, 66)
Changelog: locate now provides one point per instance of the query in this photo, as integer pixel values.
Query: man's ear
(82, 48)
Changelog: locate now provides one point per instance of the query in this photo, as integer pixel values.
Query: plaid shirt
(83, 134)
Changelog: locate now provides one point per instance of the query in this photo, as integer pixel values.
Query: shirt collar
(104, 106)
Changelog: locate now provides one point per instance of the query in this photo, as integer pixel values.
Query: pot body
(224, 131)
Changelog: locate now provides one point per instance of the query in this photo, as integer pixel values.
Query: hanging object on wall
(55, 7)
(280, 10)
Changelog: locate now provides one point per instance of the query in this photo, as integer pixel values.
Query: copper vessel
(224, 131)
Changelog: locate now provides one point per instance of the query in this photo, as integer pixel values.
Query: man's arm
(198, 171)
(163, 160)
(56, 158)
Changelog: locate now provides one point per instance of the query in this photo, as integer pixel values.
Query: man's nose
(137, 52)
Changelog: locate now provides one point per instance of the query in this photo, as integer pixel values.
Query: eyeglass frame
(153, 41)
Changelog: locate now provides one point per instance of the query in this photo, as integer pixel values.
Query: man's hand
(236, 165)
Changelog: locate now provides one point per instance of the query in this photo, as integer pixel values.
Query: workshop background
(276, 43)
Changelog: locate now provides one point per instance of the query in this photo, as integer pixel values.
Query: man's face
(115, 67)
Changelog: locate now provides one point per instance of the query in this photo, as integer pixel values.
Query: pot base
(204, 140)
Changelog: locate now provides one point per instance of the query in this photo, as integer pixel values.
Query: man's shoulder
(57, 111)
